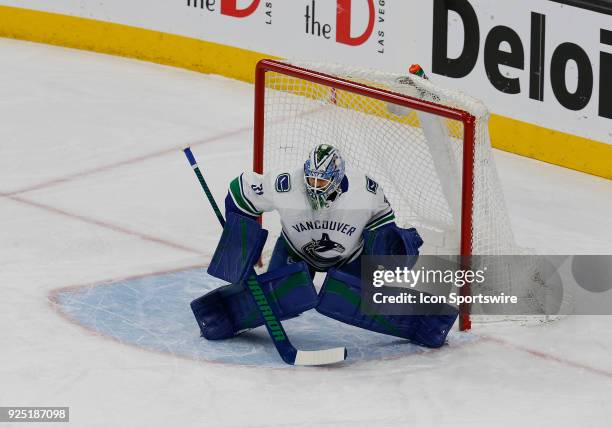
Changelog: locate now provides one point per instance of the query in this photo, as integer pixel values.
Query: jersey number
(257, 189)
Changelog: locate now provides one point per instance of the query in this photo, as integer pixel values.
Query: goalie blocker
(229, 310)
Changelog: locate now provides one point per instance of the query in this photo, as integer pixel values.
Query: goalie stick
(286, 350)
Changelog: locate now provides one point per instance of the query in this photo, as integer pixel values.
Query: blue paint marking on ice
(153, 313)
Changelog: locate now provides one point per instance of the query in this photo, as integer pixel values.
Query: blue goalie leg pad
(211, 314)
(230, 310)
(340, 299)
(238, 250)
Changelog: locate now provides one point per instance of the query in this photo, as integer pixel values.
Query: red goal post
(341, 84)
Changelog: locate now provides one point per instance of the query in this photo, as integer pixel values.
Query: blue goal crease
(153, 313)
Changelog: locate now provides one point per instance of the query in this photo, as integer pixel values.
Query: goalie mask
(323, 173)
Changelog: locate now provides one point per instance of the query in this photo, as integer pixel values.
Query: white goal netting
(420, 176)
(416, 157)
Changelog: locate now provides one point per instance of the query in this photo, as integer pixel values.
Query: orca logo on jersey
(323, 250)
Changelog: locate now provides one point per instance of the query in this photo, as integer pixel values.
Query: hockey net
(428, 147)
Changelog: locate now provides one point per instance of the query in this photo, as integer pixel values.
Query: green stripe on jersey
(382, 221)
(378, 217)
(239, 198)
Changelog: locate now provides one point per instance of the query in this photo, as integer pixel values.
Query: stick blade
(320, 358)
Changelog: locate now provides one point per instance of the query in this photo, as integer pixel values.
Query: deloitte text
(503, 46)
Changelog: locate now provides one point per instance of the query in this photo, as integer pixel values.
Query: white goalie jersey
(325, 237)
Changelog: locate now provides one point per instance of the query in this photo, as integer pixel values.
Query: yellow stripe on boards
(206, 57)
(133, 42)
(551, 146)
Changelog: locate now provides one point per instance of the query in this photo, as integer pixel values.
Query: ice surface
(153, 312)
(96, 189)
